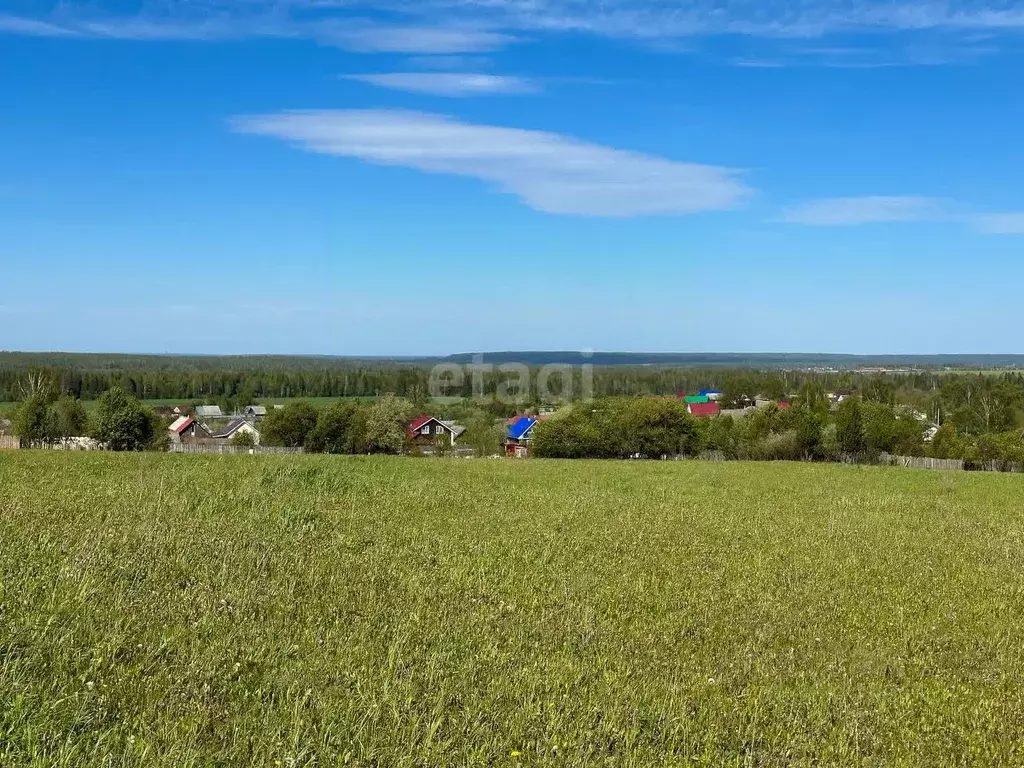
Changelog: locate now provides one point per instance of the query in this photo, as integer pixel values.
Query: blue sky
(397, 177)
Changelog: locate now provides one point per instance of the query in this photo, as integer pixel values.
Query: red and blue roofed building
(517, 440)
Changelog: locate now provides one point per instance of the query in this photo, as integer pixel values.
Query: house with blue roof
(517, 440)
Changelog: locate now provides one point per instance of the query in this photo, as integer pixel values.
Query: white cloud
(448, 83)
(848, 211)
(549, 172)
(999, 223)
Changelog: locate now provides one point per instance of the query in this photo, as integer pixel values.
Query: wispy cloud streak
(549, 172)
(849, 211)
(448, 83)
(453, 26)
(999, 223)
(853, 211)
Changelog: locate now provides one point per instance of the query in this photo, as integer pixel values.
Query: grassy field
(160, 610)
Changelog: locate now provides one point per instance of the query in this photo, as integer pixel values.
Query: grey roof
(233, 427)
(209, 411)
(456, 429)
(5, 425)
(736, 413)
(256, 410)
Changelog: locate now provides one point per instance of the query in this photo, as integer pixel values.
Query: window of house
(425, 431)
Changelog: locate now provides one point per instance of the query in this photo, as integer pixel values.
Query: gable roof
(208, 411)
(520, 428)
(704, 409)
(234, 426)
(256, 410)
(696, 399)
(181, 423)
(709, 392)
(417, 424)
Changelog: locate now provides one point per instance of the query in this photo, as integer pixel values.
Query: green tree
(720, 434)
(812, 398)
(65, 418)
(809, 429)
(879, 427)
(850, 427)
(484, 434)
(30, 419)
(948, 444)
(290, 426)
(385, 425)
(243, 439)
(650, 428)
(338, 429)
(122, 422)
(571, 434)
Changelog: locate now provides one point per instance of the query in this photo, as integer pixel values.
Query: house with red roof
(185, 429)
(705, 409)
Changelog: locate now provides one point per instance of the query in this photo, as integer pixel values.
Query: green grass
(161, 610)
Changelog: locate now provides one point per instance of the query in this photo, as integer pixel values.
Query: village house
(238, 427)
(209, 412)
(693, 399)
(425, 430)
(185, 429)
(703, 409)
(518, 435)
(255, 411)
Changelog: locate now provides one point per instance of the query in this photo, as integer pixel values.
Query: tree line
(809, 430)
(975, 403)
(377, 427)
(120, 421)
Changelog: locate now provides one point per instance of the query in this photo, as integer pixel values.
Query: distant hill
(758, 360)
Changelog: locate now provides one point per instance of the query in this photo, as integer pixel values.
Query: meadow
(164, 610)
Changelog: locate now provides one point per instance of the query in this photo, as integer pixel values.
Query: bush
(618, 428)
(123, 423)
(339, 429)
(289, 427)
(244, 440)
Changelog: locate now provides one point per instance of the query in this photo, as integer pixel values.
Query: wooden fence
(219, 449)
(921, 462)
(9, 442)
